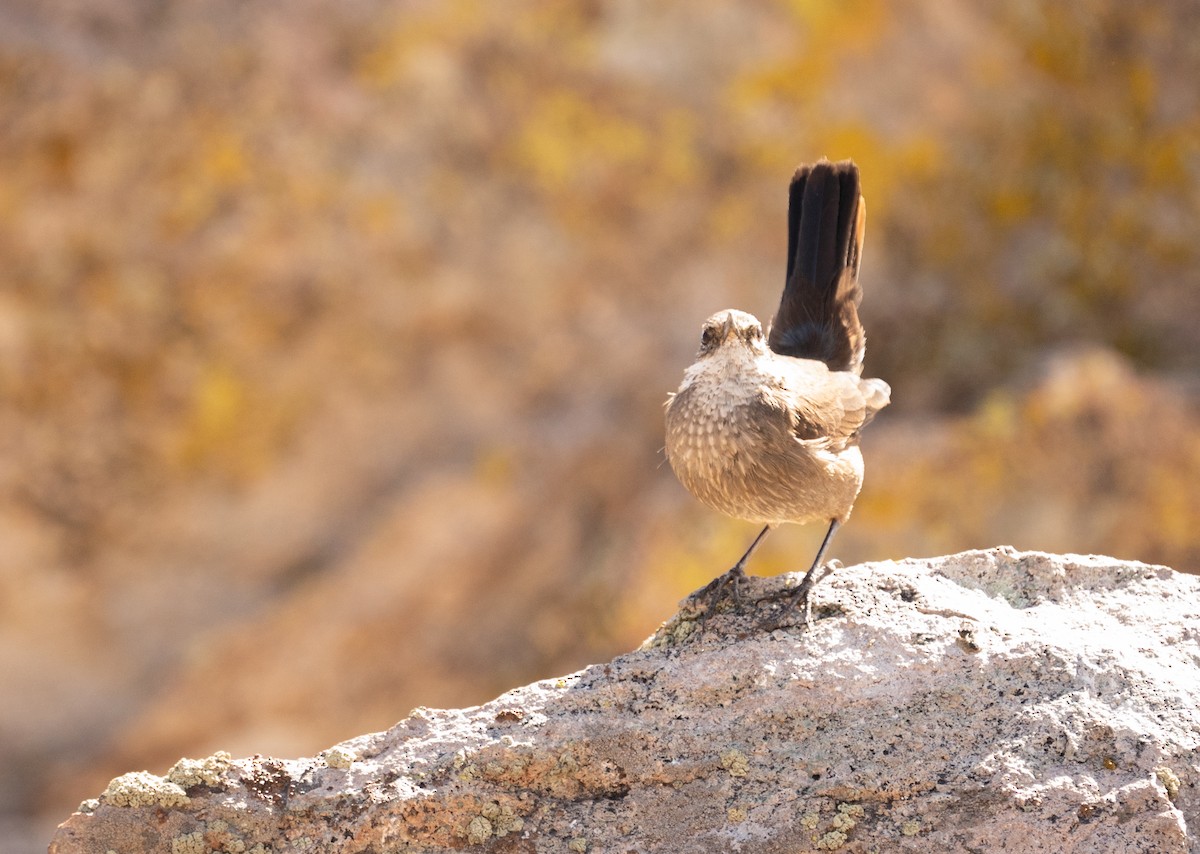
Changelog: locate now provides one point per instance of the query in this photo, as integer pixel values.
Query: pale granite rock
(983, 701)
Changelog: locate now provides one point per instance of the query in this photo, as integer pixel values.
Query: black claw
(715, 591)
(797, 597)
(712, 593)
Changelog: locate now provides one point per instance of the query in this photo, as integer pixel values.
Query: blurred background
(334, 337)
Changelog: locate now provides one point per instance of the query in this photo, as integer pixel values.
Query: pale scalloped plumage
(768, 438)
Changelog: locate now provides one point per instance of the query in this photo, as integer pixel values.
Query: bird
(766, 427)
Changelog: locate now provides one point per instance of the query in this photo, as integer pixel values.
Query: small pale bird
(766, 428)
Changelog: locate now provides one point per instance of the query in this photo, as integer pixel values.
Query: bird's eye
(708, 337)
(755, 332)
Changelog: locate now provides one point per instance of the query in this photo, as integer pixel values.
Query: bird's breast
(742, 458)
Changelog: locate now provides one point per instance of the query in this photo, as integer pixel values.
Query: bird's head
(731, 328)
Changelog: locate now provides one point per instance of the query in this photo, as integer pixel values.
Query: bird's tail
(818, 315)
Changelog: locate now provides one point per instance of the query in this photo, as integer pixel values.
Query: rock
(987, 700)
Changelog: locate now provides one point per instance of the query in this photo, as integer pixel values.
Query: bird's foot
(796, 599)
(716, 591)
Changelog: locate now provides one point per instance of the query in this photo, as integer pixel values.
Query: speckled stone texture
(986, 701)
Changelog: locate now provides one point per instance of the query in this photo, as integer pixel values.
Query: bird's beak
(726, 330)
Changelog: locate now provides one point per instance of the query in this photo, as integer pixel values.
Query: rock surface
(983, 701)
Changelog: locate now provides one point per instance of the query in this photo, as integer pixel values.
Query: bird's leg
(799, 595)
(712, 592)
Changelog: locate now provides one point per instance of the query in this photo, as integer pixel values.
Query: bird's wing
(826, 408)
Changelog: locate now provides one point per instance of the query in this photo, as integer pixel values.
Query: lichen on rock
(1067, 723)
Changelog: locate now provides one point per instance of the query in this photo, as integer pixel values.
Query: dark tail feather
(818, 315)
